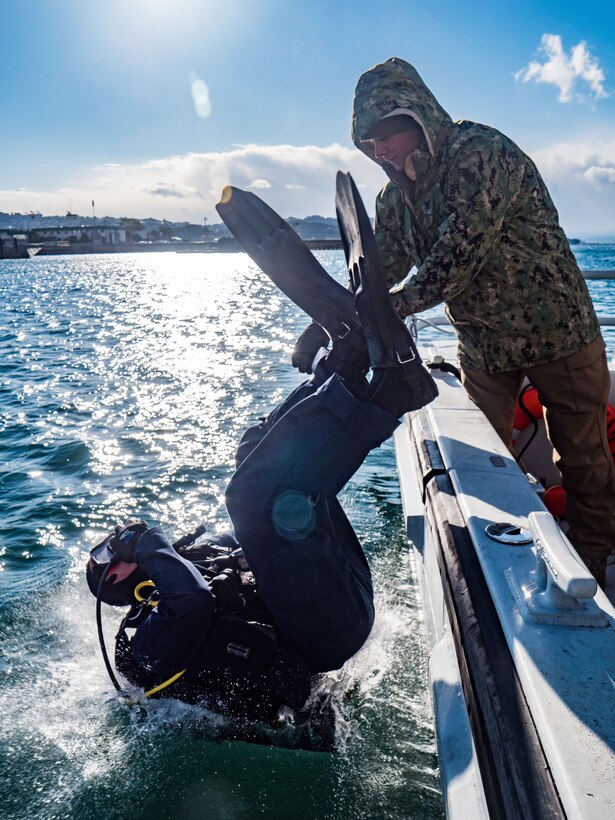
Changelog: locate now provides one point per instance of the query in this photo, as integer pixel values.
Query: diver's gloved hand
(124, 540)
(227, 588)
(307, 346)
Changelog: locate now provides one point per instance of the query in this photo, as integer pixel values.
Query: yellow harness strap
(164, 685)
(149, 602)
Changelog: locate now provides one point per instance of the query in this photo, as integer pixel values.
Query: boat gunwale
(505, 736)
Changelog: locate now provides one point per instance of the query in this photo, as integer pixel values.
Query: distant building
(100, 234)
(13, 245)
(189, 232)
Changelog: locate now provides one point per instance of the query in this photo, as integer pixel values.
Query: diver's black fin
(388, 339)
(287, 261)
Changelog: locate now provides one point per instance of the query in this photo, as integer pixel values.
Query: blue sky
(150, 106)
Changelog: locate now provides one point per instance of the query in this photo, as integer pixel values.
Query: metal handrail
(598, 274)
(441, 321)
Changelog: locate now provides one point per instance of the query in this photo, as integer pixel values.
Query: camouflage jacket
(473, 214)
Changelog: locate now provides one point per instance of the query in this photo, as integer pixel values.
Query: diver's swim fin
(388, 339)
(287, 261)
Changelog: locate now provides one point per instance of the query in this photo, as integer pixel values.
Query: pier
(224, 245)
(599, 274)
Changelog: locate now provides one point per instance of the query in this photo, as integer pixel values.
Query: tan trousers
(574, 392)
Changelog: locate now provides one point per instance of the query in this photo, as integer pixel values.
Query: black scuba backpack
(242, 667)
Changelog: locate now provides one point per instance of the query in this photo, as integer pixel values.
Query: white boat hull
(523, 693)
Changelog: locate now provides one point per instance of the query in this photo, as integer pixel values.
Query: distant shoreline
(220, 246)
(223, 245)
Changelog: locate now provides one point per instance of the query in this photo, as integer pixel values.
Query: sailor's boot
(596, 564)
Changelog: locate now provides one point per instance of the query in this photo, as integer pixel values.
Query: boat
(520, 638)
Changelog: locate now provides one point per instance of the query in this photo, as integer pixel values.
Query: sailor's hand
(307, 346)
(125, 538)
(226, 587)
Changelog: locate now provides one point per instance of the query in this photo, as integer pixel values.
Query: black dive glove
(124, 540)
(307, 346)
(227, 588)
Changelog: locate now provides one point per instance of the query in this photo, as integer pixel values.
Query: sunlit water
(125, 383)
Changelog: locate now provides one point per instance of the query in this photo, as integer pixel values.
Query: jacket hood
(395, 87)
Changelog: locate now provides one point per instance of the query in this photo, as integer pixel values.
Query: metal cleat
(560, 589)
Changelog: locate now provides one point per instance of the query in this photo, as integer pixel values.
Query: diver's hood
(390, 88)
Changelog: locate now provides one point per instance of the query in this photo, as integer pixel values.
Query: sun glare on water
(127, 393)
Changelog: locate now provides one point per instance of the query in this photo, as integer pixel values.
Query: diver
(289, 595)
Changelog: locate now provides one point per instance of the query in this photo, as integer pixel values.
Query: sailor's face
(395, 139)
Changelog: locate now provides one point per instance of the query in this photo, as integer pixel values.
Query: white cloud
(259, 183)
(581, 180)
(301, 182)
(170, 190)
(601, 174)
(576, 158)
(567, 72)
(580, 176)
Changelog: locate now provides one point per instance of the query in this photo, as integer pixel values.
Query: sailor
(312, 576)
(470, 210)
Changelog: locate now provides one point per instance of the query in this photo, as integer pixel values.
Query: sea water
(125, 383)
